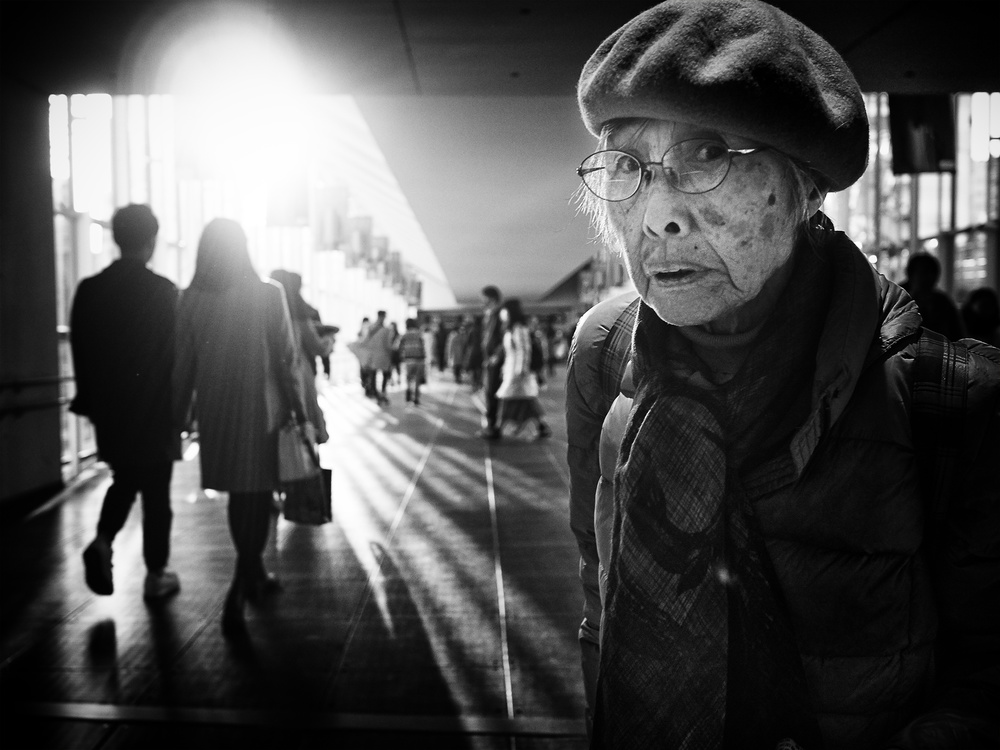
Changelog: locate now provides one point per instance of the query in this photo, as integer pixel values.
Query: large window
(305, 179)
(948, 214)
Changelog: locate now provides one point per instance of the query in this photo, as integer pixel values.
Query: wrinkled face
(699, 259)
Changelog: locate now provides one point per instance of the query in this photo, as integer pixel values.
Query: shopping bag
(297, 456)
(309, 501)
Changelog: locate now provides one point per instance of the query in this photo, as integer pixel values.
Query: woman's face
(699, 259)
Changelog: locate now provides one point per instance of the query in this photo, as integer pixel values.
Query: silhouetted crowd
(462, 349)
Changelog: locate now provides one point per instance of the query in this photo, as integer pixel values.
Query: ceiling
(472, 101)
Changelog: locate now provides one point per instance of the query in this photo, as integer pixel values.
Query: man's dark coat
(122, 336)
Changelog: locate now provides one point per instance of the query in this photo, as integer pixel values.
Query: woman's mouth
(673, 276)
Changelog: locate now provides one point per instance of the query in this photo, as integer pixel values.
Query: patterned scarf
(697, 653)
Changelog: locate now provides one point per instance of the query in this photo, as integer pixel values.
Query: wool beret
(739, 66)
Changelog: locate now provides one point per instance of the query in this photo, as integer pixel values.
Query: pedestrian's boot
(234, 625)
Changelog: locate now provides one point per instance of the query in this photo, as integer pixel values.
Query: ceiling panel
(472, 100)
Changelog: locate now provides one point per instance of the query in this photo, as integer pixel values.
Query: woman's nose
(666, 214)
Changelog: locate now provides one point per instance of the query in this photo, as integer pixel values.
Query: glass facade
(891, 216)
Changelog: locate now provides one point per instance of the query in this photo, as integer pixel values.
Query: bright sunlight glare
(235, 54)
(241, 93)
(261, 135)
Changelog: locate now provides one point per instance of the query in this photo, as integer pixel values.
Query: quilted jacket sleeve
(583, 427)
(965, 710)
(586, 406)
(587, 403)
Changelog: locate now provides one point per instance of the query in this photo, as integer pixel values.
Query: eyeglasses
(694, 166)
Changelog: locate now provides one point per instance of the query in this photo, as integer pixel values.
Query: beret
(739, 66)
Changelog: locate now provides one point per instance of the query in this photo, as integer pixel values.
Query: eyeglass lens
(693, 166)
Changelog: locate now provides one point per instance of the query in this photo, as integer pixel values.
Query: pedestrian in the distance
(492, 355)
(413, 357)
(518, 391)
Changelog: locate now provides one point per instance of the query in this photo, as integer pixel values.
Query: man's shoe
(489, 433)
(97, 567)
(160, 584)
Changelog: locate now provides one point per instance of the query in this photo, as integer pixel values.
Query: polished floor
(439, 608)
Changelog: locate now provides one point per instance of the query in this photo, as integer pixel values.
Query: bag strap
(939, 396)
(616, 351)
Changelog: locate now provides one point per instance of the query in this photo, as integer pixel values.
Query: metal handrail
(16, 385)
(19, 409)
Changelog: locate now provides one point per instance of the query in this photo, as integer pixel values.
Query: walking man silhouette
(122, 338)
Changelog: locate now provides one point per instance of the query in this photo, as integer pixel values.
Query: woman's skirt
(519, 411)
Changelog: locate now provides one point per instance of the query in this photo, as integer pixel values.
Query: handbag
(297, 456)
(304, 485)
(308, 501)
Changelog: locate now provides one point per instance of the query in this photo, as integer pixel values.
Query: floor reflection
(389, 625)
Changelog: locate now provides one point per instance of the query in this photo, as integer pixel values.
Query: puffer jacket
(897, 621)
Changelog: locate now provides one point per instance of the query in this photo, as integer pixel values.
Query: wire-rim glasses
(692, 166)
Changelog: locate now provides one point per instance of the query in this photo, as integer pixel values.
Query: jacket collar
(868, 316)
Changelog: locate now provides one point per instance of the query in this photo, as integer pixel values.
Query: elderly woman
(234, 373)
(788, 524)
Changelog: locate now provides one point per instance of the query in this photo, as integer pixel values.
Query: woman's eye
(709, 151)
(624, 164)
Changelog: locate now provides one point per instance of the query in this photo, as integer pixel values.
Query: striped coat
(225, 379)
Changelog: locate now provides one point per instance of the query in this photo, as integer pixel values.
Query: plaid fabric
(617, 350)
(696, 651)
(940, 391)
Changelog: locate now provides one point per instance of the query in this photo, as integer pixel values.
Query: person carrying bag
(305, 485)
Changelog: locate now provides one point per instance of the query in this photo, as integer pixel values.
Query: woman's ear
(814, 200)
